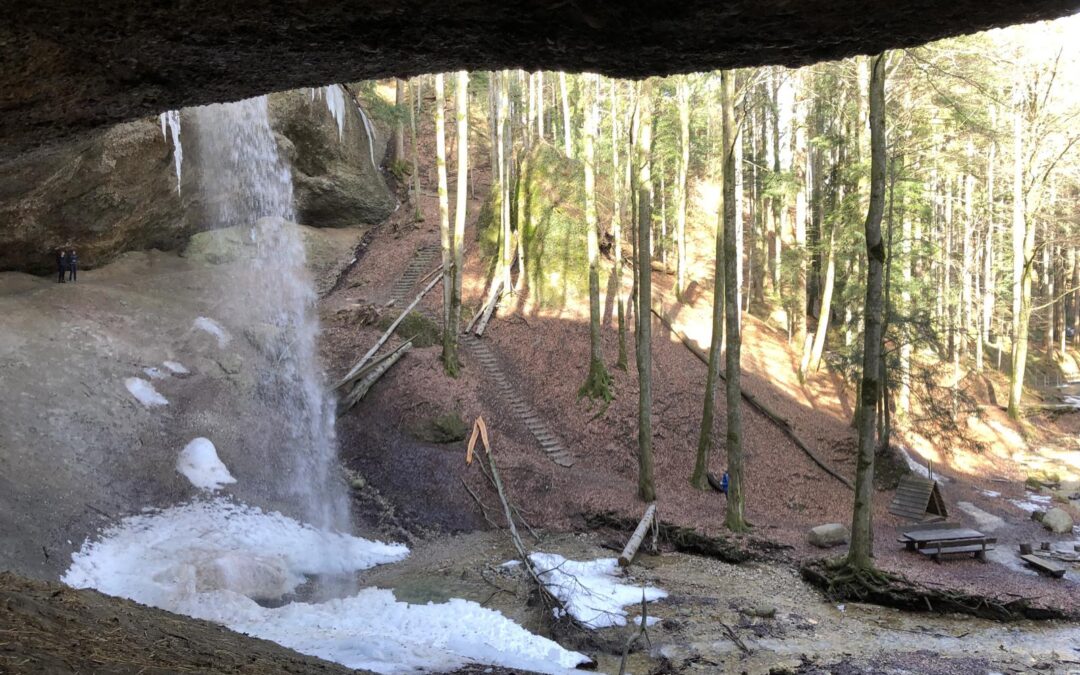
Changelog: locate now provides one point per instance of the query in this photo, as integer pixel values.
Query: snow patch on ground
(175, 367)
(154, 373)
(145, 392)
(1074, 401)
(590, 590)
(1032, 503)
(993, 494)
(918, 468)
(200, 464)
(212, 559)
(214, 328)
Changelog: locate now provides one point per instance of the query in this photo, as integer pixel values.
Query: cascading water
(246, 183)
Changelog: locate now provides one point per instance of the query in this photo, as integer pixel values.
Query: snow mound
(214, 328)
(590, 590)
(176, 367)
(199, 462)
(145, 392)
(212, 559)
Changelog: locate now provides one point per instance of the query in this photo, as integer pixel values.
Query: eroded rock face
(75, 66)
(116, 190)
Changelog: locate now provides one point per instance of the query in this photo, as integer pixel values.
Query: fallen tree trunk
(757, 405)
(496, 288)
(628, 553)
(371, 365)
(361, 388)
(351, 375)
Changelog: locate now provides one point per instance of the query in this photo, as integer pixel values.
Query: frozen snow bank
(145, 392)
(176, 367)
(590, 590)
(214, 328)
(919, 469)
(199, 462)
(212, 559)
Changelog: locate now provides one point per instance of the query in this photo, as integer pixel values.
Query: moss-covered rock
(423, 331)
(447, 428)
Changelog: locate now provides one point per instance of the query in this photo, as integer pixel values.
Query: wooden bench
(937, 541)
(1044, 566)
(979, 548)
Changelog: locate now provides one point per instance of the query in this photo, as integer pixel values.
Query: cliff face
(115, 190)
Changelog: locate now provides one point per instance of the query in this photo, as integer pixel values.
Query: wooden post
(639, 534)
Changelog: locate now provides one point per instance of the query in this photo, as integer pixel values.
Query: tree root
(841, 582)
(689, 540)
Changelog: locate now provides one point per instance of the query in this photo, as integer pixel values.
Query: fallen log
(756, 404)
(628, 553)
(385, 336)
(371, 365)
(361, 388)
(496, 286)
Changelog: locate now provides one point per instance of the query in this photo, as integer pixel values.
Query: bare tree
(860, 553)
(646, 486)
(445, 235)
(450, 342)
(598, 382)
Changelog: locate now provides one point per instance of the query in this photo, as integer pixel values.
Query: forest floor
(546, 353)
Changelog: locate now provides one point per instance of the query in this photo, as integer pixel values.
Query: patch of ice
(649, 621)
(214, 328)
(1032, 503)
(154, 373)
(1074, 401)
(176, 367)
(993, 494)
(590, 590)
(211, 559)
(145, 392)
(200, 464)
(510, 564)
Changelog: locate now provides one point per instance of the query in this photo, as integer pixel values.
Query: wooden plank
(1044, 566)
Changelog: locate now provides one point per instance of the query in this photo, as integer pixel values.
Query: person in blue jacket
(73, 265)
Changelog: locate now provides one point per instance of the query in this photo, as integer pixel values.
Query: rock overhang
(71, 67)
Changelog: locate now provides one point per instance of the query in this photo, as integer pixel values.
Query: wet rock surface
(115, 190)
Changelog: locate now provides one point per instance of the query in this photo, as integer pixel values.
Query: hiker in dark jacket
(73, 265)
(61, 263)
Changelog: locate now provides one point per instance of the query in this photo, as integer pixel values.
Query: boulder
(829, 535)
(1058, 520)
(327, 251)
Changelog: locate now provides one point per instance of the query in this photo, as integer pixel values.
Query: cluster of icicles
(332, 94)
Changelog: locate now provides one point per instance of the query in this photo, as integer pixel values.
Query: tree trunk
(540, 104)
(716, 347)
(414, 113)
(860, 552)
(598, 382)
(1021, 261)
(450, 340)
(445, 235)
(399, 123)
(646, 488)
(734, 517)
(568, 147)
(800, 158)
(502, 105)
(682, 91)
(617, 195)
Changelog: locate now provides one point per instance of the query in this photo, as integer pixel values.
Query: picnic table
(935, 542)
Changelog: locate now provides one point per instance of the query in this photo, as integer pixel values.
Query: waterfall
(246, 183)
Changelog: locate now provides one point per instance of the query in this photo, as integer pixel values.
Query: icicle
(171, 118)
(370, 134)
(335, 103)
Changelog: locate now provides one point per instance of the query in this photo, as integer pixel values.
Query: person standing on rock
(73, 265)
(61, 264)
